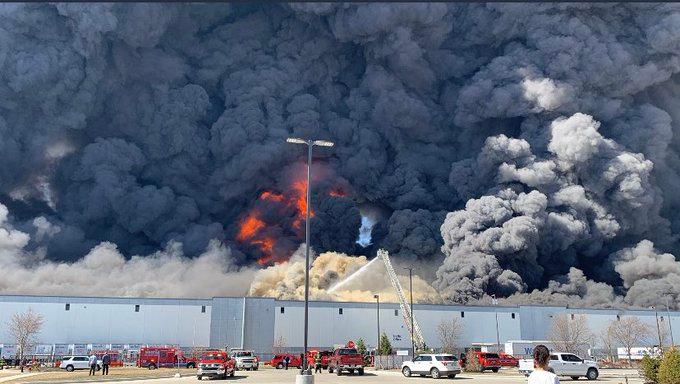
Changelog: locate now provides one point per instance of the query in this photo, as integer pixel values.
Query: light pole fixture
(310, 144)
(410, 288)
(670, 321)
(494, 301)
(658, 327)
(377, 314)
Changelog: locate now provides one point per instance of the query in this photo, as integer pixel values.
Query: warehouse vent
(136, 307)
(340, 311)
(513, 315)
(462, 314)
(202, 308)
(67, 307)
(283, 310)
(396, 312)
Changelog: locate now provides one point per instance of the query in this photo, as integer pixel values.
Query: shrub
(472, 362)
(669, 369)
(649, 368)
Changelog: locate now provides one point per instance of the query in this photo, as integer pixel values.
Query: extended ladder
(405, 309)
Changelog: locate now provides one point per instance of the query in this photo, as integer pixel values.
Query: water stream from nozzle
(352, 277)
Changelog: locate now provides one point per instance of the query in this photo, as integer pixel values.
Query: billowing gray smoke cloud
(546, 130)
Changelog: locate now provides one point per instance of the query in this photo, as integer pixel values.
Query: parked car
(346, 359)
(215, 364)
(435, 365)
(278, 361)
(245, 359)
(71, 363)
(508, 360)
(564, 364)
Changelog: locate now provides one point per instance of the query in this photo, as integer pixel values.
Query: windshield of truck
(212, 356)
(446, 358)
(347, 351)
(491, 356)
(243, 354)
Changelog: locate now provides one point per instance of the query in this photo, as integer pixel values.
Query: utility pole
(306, 374)
(494, 301)
(377, 316)
(410, 288)
(670, 321)
(658, 327)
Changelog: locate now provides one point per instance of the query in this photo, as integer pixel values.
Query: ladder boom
(405, 309)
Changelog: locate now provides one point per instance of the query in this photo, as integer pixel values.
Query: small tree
(569, 333)
(361, 346)
(669, 369)
(24, 327)
(472, 362)
(607, 338)
(449, 333)
(279, 345)
(630, 332)
(649, 368)
(385, 347)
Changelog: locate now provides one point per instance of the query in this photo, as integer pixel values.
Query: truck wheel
(330, 369)
(279, 366)
(494, 370)
(338, 372)
(361, 371)
(592, 374)
(199, 377)
(69, 368)
(152, 366)
(452, 376)
(406, 371)
(435, 373)
(191, 365)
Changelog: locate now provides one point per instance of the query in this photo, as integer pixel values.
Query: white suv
(71, 363)
(435, 365)
(245, 359)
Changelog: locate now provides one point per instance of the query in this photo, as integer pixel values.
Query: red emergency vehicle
(156, 357)
(116, 360)
(278, 361)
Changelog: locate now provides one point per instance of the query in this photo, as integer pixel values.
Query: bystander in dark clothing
(106, 360)
(286, 361)
(317, 363)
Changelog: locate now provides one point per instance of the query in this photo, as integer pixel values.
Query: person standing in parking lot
(92, 361)
(106, 360)
(317, 362)
(541, 375)
(286, 361)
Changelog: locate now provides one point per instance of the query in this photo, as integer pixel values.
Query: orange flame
(249, 227)
(300, 202)
(271, 196)
(337, 193)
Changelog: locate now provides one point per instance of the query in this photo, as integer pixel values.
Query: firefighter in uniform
(317, 362)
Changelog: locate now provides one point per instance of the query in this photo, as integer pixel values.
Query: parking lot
(272, 376)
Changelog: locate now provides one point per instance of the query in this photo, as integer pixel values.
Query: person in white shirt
(540, 375)
(92, 361)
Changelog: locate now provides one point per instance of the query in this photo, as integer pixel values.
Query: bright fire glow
(249, 228)
(271, 196)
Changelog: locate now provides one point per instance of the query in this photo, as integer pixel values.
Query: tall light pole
(310, 144)
(670, 321)
(494, 301)
(658, 327)
(410, 288)
(377, 315)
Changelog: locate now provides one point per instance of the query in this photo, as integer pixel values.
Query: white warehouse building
(258, 323)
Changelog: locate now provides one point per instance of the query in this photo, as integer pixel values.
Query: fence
(390, 361)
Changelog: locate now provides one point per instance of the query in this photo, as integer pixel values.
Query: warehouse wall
(113, 320)
(359, 320)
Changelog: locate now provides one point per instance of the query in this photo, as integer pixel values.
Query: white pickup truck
(564, 364)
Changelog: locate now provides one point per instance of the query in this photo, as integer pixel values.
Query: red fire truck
(116, 360)
(156, 357)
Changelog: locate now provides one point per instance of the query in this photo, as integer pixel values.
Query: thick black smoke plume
(546, 131)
